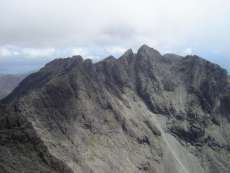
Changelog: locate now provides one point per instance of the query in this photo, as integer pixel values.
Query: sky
(33, 32)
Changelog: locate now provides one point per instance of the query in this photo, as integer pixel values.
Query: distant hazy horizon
(28, 67)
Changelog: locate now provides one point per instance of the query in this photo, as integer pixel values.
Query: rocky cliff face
(143, 112)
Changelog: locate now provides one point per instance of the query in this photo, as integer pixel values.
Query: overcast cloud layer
(33, 32)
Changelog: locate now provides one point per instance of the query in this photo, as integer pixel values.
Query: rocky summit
(141, 113)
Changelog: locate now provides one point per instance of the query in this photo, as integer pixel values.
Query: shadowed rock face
(8, 83)
(143, 112)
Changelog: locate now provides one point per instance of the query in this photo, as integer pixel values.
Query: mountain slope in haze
(143, 113)
(8, 83)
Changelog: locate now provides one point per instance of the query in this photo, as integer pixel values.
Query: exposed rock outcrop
(143, 112)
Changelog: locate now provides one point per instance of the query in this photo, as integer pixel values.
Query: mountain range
(8, 82)
(141, 113)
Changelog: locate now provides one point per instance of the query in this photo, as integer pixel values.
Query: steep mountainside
(141, 113)
(8, 83)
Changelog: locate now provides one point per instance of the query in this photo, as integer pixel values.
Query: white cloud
(187, 51)
(5, 52)
(41, 28)
(79, 51)
(115, 50)
(33, 53)
(74, 23)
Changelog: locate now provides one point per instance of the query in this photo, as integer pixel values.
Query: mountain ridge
(142, 112)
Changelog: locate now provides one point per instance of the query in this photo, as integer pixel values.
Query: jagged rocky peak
(173, 56)
(63, 63)
(128, 57)
(141, 113)
(128, 53)
(200, 69)
(110, 58)
(145, 50)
